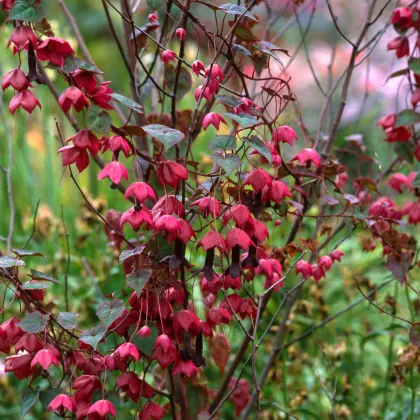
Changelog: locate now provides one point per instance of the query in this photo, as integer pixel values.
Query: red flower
(164, 351)
(414, 213)
(402, 18)
(388, 121)
(276, 192)
(239, 213)
(45, 358)
(29, 342)
(168, 56)
(168, 224)
(21, 37)
(336, 255)
(25, 99)
(85, 139)
(73, 96)
(197, 66)
(144, 332)
(307, 156)
(20, 365)
(117, 144)
(61, 403)
(15, 78)
(399, 181)
(152, 18)
(141, 191)
(258, 178)
(217, 316)
(115, 171)
(181, 34)
(284, 134)
(84, 79)
(136, 218)
(305, 268)
(127, 351)
(240, 396)
(401, 134)
(186, 232)
(171, 173)
(101, 95)
(168, 204)
(257, 230)
(186, 321)
(72, 154)
(325, 262)
(206, 95)
(248, 107)
(208, 205)
(214, 119)
(238, 237)
(400, 45)
(211, 240)
(101, 409)
(85, 385)
(214, 72)
(11, 330)
(317, 272)
(151, 411)
(54, 50)
(186, 368)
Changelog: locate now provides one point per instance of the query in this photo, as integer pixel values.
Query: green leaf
(223, 143)
(229, 100)
(407, 117)
(73, 63)
(234, 9)
(98, 119)
(93, 336)
(398, 73)
(38, 275)
(268, 48)
(184, 81)
(130, 253)
(405, 151)
(26, 253)
(34, 322)
(145, 345)
(138, 280)
(228, 162)
(167, 136)
(129, 103)
(67, 320)
(244, 120)
(47, 395)
(29, 398)
(241, 49)
(34, 285)
(108, 312)
(242, 31)
(7, 262)
(259, 146)
(414, 64)
(27, 10)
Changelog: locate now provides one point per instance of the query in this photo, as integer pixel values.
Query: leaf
(138, 280)
(145, 345)
(414, 64)
(223, 143)
(405, 151)
(130, 253)
(229, 100)
(184, 81)
(108, 312)
(414, 334)
(38, 275)
(398, 73)
(29, 398)
(6, 262)
(242, 31)
(268, 48)
(399, 266)
(330, 201)
(134, 106)
(98, 119)
(220, 350)
(407, 117)
(259, 146)
(67, 320)
(26, 253)
(352, 199)
(93, 336)
(47, 395)
(26, 10)
(34, 285)
(34, 322)
(244, 120)
(234, 9)
(228, 162)
(241, 49)
(167, 136)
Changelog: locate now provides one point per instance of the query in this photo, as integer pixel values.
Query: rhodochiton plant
(216, 251)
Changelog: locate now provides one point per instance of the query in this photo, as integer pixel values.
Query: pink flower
(325, 262)
(167, 56)
(115, 171)
(307, 156)
(144, 332)
(206, 95)
(214, 72)
(171, 173)
(247, 106)
(257, 230)
(414, 213)
(54, 50)
(101, 409)
(186, 321)
(388, 121)
(141, 191)
(72, 154)
(239, 213)
(258, 178)
(402, 18)
(214, 119)
(73, 96)
(399, 134)
(25, 99)
(15, 78)
(117, 144)
(151, 411)
(168, 204)
(61, 403)
(398, 181)
(21, 37)
(415, 97)
(136, 218)
(400, 45)
(152, 18)
(336, 255)
(181, 34)
(101, 95)
(128, 351)
(19, 365)
(276, 192)
(186, 232)
(237, 237)
(317, 273)
(341, 179)
(30, 343)
(208, 205)
(45, 358)
(84, 79)
(197, 67)
(284, 134)
(85, 385)
(212, 240)
(217, 316)
(186, 368)
(304, 268)
(164, 351)
(168, 224)
(85, 139)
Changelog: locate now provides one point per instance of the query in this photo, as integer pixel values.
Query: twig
(66, 274)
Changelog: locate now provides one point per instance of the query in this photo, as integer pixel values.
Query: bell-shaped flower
(399, 134)
(141, 191)
(213, 118)
(101, 409)
(144, 332)
(186, 232)
(170, 173)
(186, 368)
(258, 179)
(115, 171)
(128, 351)
(206, 95)
(197, 67)
(402, 18)
(15, 78)
(72, 154)
(398, 181)
(21, 37)
(168, 56)
(84, 79)
(239, 213)
(164, 351)
(54, 50)
(45, 358)
(101, 95)
(214, 72)
(238, 237)
(307, 156)
(208, 205)
(73, 97)
(86, 139)
(276, 192)
(169, 225)
(181, 34)
(325, 262)
(151, 411)
(117, 144)
(152, 18)
(30, 343)
(211, 240)
(388, 121)
(336, 255)
(304, 268)
(26, 100)
(217, 316)
(136, 218)
(400, 45)
(168, 204)
(85, 385)
(61, 403)
(284, 134)
(186, 321)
